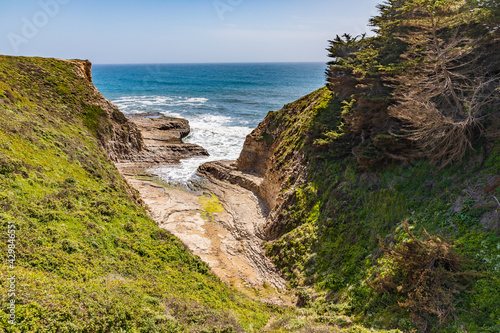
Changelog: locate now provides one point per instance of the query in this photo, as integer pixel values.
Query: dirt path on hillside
(222, 229)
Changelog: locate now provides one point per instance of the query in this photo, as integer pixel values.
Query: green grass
(89, 259)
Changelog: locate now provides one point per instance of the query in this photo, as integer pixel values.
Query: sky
(177, 31)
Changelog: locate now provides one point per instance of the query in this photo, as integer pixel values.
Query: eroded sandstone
(229, 240)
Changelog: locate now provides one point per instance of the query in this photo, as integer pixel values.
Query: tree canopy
(429, 79)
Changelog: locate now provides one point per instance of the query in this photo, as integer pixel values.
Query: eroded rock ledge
(227, 171)
(162, 137)
(221, 223)
(162, 142)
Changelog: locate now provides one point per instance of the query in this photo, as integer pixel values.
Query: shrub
(425, 274)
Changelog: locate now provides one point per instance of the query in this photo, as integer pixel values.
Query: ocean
(223, 102)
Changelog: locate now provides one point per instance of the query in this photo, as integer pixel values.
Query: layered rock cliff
(120, 138)
(272, 162)
(162, 137)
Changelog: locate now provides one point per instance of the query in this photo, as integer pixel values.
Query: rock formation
(162, 137)
(267, 166)
(121, 138)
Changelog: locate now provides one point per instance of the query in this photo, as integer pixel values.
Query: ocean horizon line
(211, 63)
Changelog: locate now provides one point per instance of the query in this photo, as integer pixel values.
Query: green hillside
(88, 259)
(327, 232)
(394, 218)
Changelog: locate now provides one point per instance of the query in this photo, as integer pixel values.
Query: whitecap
(221, 135)
(214, 133)
(137, 104)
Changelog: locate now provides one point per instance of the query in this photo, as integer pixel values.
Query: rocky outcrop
(158, 128)
(258, 149)
(84, 68)
(268, 165)
(162, 137)
(146, 138)
(120, 138)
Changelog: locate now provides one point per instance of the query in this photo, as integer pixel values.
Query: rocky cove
(228, 215)
(221, 219)
(304, 203)
(237, 207)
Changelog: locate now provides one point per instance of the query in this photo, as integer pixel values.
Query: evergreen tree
(449, 79)
(426, 80)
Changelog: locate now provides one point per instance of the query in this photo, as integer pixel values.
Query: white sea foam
(222, 136)
(142, 104)
(214, 133)
(194, 100)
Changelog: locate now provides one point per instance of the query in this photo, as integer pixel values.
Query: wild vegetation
(88, 258)
(425, 86)
(328, 243)
(426, 272)
(396, 223)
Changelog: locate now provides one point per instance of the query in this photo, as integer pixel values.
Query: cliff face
(275, 152)
(327, 212)
(67, 85)
(119, 137)
(273, 161)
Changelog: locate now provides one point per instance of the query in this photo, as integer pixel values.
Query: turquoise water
(223, 102)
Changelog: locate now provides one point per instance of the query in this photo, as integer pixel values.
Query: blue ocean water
(223, 102)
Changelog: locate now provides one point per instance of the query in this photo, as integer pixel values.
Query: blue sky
(175, 31)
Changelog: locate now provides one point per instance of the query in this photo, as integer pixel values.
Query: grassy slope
(329, 247)
(90, 260)
(88, 257)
